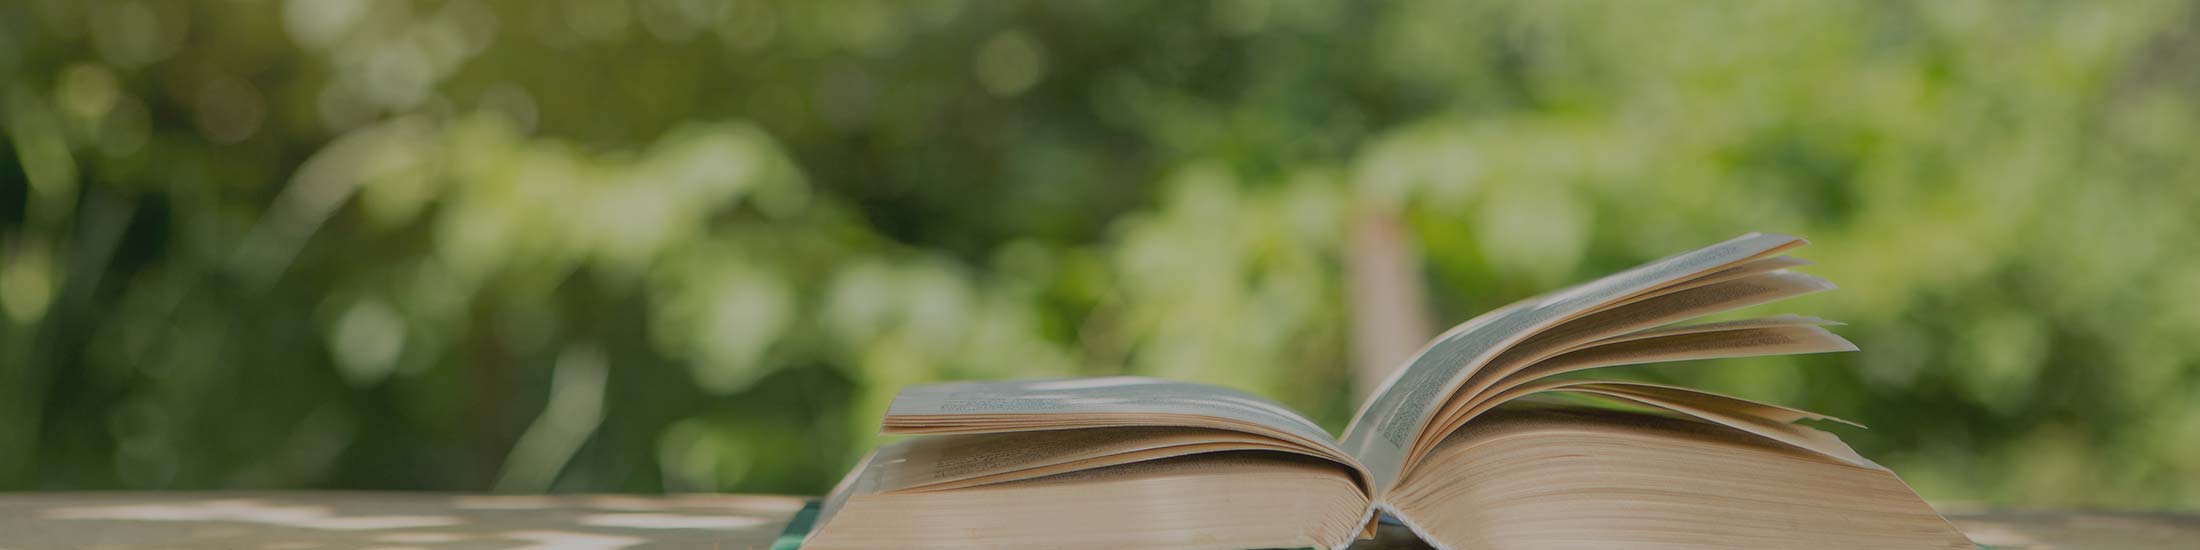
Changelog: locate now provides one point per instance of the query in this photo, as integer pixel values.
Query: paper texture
(956, 461)
(1382, 435)
(1085, 397)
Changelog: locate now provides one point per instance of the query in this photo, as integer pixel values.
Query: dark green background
(641, 245)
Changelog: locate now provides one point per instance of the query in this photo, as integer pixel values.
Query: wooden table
(429, 521)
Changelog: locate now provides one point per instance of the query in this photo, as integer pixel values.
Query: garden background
(686, 245)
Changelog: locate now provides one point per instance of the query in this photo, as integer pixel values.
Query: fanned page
(1005, 436)
(1504, 380)
(1390, 426)
(1772, 422)
(1575, 477)
(1110, 402)
(955, 461)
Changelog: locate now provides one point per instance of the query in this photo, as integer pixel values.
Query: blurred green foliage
(640, 245)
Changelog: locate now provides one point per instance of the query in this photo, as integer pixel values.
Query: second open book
(1447, 445)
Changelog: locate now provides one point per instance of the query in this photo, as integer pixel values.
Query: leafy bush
(638, 245)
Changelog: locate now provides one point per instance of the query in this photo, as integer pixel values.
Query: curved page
(1383, 433)
(1778, 335)
(956, 461)
(1765, 420)
(1028, 405)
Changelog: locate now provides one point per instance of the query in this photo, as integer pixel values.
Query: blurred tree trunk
(488, 418)
(1390, 320)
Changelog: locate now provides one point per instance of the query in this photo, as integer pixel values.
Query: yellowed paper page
(951, 461)
(1387, 427)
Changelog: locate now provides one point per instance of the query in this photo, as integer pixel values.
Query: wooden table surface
(431, 521)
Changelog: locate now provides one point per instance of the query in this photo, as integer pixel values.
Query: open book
(1464, 444)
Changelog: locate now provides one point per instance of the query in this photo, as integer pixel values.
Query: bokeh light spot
(230, 109)
(1010, 64)
(368, 339)
(321, 23)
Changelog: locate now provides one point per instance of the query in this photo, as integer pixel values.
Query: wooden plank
(389, 521)
(2082, 530)
(431, 521)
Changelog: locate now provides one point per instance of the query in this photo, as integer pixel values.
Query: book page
(1632, 319)
(1575, 477)
(1013, 405)
(1779, 335)
(1688, 300)
(1724, 340)
(954, 461)
(1384, 432)
(1763, 420)
(1207, 500)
